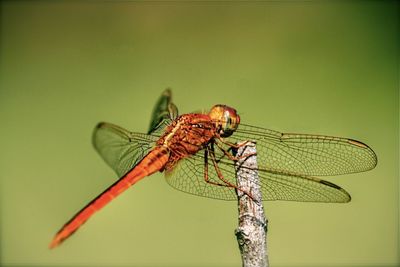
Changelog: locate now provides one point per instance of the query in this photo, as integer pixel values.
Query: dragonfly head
(225, 118)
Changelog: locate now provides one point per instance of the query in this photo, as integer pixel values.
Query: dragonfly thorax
(225, 118)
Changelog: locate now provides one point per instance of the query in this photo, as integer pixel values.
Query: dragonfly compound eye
(226, 119)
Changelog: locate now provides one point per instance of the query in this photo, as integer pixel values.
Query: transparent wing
(188, 176)
(120, 148)
(160, 128)
(163, 111)
(306, 154)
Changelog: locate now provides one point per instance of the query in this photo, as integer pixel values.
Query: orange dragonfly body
(182, 147)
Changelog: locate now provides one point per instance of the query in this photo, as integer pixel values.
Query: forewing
(163, 111)
(306, 154)
(188, 176)
(120, 148)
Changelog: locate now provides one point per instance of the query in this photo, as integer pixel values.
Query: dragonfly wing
(294, 187)
(160, 128)
(163, 110)
(120, 148)
(188, 176)
(286, 186)
(307, 154)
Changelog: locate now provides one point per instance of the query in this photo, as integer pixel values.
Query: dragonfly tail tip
(54, 243)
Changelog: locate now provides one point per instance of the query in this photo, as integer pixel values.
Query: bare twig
(252, 229)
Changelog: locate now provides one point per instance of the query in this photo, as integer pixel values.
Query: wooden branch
(252, 230)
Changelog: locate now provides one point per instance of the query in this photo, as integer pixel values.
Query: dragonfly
(196, 153)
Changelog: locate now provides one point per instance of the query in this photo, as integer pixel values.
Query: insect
(195, 152)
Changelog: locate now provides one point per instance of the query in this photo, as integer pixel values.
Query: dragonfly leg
(232, 157)
(236, 146)
(224, 155)
(206, 177)
(221, 176)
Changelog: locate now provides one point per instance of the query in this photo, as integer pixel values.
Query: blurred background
(310, 67)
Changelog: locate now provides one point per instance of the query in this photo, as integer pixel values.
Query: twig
(252, 230)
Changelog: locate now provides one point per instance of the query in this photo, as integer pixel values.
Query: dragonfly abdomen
(153, 162)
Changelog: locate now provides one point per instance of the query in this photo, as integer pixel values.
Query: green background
(311, 67)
